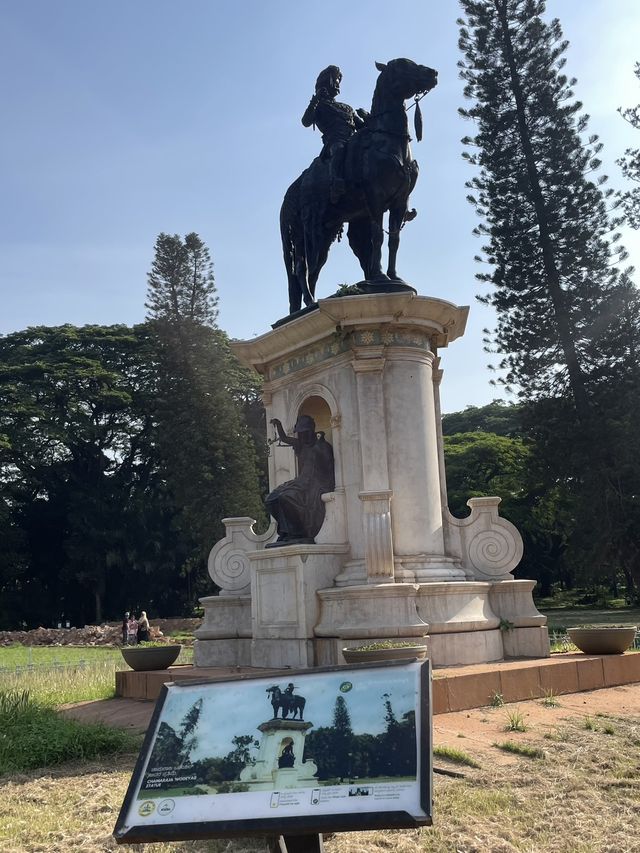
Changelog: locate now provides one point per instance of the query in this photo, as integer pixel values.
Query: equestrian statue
(286, 701)
(365, 169)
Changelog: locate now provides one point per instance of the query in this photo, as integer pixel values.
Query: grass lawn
(56, 675)
(560, 618)
(17, 655)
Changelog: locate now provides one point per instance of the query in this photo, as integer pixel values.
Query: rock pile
(90, 635)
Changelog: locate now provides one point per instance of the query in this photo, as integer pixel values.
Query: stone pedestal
(390, 560)
(265, 773)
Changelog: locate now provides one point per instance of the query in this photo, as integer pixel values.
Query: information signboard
(335, 749)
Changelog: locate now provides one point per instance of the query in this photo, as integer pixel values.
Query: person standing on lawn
(125, 628)
(143, 628)
(132, 631)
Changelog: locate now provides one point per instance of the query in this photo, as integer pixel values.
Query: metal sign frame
(147, 815)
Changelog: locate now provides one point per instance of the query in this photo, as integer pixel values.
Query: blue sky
(125, 119)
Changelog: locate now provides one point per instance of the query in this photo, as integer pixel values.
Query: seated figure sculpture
(297, 505)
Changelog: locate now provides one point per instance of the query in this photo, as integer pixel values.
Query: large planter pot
(376, 655)
(602, 641)
(142, 658)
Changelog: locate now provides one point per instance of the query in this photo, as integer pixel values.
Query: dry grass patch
(582, 799)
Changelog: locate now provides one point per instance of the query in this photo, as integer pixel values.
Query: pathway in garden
(471, 731)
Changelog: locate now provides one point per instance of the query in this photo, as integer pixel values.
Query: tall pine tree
(558, 295)
(209, 459)
(544, 216)
(630, 165)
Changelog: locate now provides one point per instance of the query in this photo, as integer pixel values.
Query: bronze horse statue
(380, 175)
(287, 702)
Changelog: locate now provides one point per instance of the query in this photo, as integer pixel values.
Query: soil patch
(476, 731)
(108, 634)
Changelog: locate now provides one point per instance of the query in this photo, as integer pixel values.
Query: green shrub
(33, 735)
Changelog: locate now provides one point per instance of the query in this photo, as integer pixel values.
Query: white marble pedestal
(390, 560)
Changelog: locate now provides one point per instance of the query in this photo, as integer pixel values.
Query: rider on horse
(337, 123)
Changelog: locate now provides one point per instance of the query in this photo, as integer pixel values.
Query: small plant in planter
(602, 639)
(387, 650)
(151, 655)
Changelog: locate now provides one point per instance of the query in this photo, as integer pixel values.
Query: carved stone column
(378, 538)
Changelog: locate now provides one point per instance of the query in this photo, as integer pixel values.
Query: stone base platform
(454, 688)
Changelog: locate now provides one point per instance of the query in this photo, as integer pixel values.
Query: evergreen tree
(544, 218)
(556, 290)
(181, 282)
(630, 165)
(206, 451)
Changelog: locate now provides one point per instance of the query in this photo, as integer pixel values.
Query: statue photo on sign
(365, 169)
(297, 504)
(286, 701)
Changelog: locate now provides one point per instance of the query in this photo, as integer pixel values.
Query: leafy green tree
(497, 417)
(72, 456)
(481, 464)
(206, 451)
(630, 165)
(85, 501)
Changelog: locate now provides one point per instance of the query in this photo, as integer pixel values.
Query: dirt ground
(476, 730)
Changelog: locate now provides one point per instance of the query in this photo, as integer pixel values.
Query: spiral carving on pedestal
(231, 568)
(493, 552)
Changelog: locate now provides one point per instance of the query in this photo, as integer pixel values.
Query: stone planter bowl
(377, 655)
(602, 641)
(143, 658)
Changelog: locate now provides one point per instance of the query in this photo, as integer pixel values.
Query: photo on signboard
(337, 732)
(345, 740)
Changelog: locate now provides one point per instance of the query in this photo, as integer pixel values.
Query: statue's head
(329, 79)
(305, 423)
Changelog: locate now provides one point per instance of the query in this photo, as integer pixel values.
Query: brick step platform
(454, 688)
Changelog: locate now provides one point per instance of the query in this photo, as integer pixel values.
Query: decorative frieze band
(342, 342)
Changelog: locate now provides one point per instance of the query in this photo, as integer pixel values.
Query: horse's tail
(292, 236)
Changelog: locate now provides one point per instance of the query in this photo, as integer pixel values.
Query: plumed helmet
(305, 423)
(326, 75)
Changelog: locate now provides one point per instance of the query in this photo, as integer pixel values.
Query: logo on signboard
(346, 686)
(147, 808)
(166, 807)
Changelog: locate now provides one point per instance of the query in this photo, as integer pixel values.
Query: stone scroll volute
(489, 547)
(228, 563)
